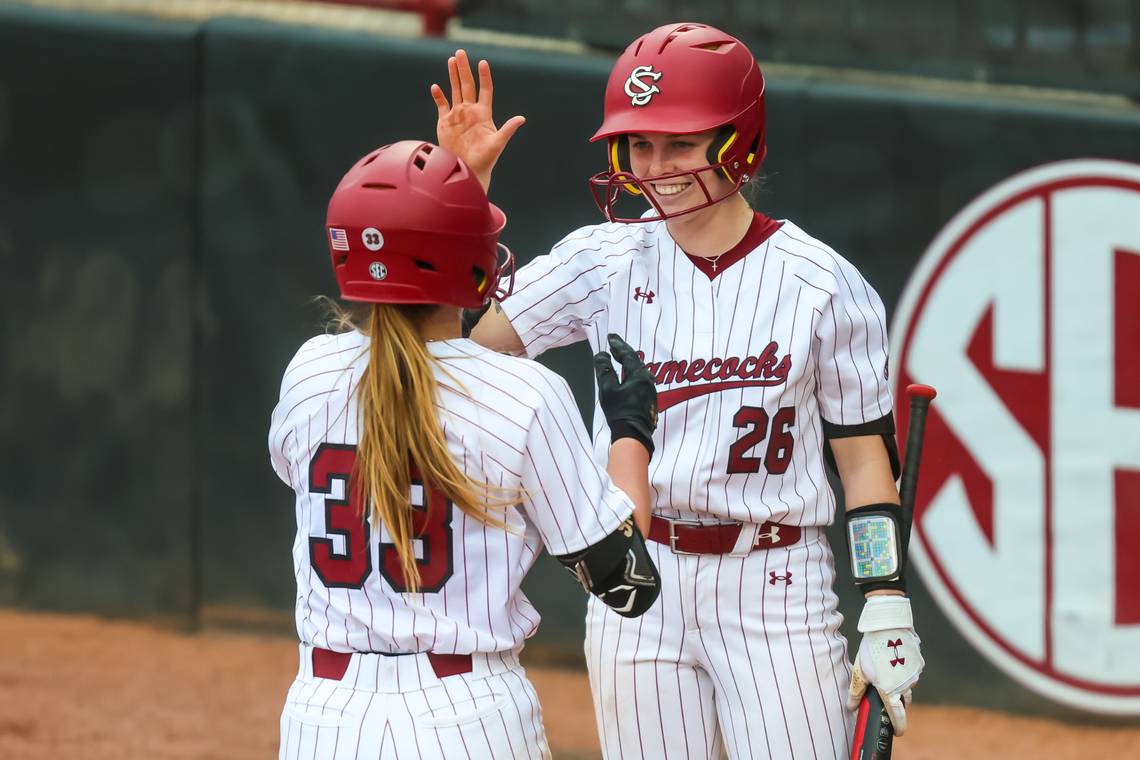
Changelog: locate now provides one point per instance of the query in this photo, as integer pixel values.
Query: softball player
(769, 352)
(429, 472)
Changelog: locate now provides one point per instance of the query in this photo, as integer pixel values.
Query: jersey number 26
(431, 528)
(777, 455)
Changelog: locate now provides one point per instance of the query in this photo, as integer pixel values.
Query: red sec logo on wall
(1024, 313)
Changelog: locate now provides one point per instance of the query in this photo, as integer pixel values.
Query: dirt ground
(83, 687)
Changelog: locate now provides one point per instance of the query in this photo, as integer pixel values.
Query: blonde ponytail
(400, 427)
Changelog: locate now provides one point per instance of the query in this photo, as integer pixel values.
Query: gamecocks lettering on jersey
(765, 366)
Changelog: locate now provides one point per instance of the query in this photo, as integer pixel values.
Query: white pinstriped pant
(741, 655)
(396, 707)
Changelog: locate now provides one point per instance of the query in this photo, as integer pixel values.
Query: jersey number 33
(344, 517)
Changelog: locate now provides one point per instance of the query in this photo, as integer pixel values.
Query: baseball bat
(920, 398)
(874, 733)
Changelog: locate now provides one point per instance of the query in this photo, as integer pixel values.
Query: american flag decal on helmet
(339, 239)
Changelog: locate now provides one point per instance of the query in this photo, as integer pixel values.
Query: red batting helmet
(409, 223)
(682, 79)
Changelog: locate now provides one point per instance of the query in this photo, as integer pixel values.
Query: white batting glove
(889, 657)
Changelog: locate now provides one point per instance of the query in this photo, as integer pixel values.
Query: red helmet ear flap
(619, 161)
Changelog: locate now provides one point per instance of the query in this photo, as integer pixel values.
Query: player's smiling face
(653, 155)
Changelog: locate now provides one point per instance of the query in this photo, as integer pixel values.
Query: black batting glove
(630, 405)
(471, 317)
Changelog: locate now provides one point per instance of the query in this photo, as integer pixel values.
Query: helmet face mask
(682, 79)
(607, 186)
(503, 282)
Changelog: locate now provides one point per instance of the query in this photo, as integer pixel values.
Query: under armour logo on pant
(772, 578)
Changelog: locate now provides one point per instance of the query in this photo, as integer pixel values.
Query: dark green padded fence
(97, 199)
(162, 191)
(1053, 43)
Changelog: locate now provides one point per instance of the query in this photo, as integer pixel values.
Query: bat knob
(923, 391)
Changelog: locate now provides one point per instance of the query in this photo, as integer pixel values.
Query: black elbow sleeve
(618, 570)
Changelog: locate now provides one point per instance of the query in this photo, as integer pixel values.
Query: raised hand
(465, 126)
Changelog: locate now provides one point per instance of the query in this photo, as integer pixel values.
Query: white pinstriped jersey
(510, 422)
(747, 362)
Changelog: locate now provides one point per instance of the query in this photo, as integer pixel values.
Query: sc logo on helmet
(645, 92)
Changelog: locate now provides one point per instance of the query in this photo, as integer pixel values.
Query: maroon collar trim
(760, 230)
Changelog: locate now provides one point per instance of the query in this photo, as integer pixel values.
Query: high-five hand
(465, 126)
(630, 404)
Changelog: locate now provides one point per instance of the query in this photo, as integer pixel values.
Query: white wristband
(887, 611)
